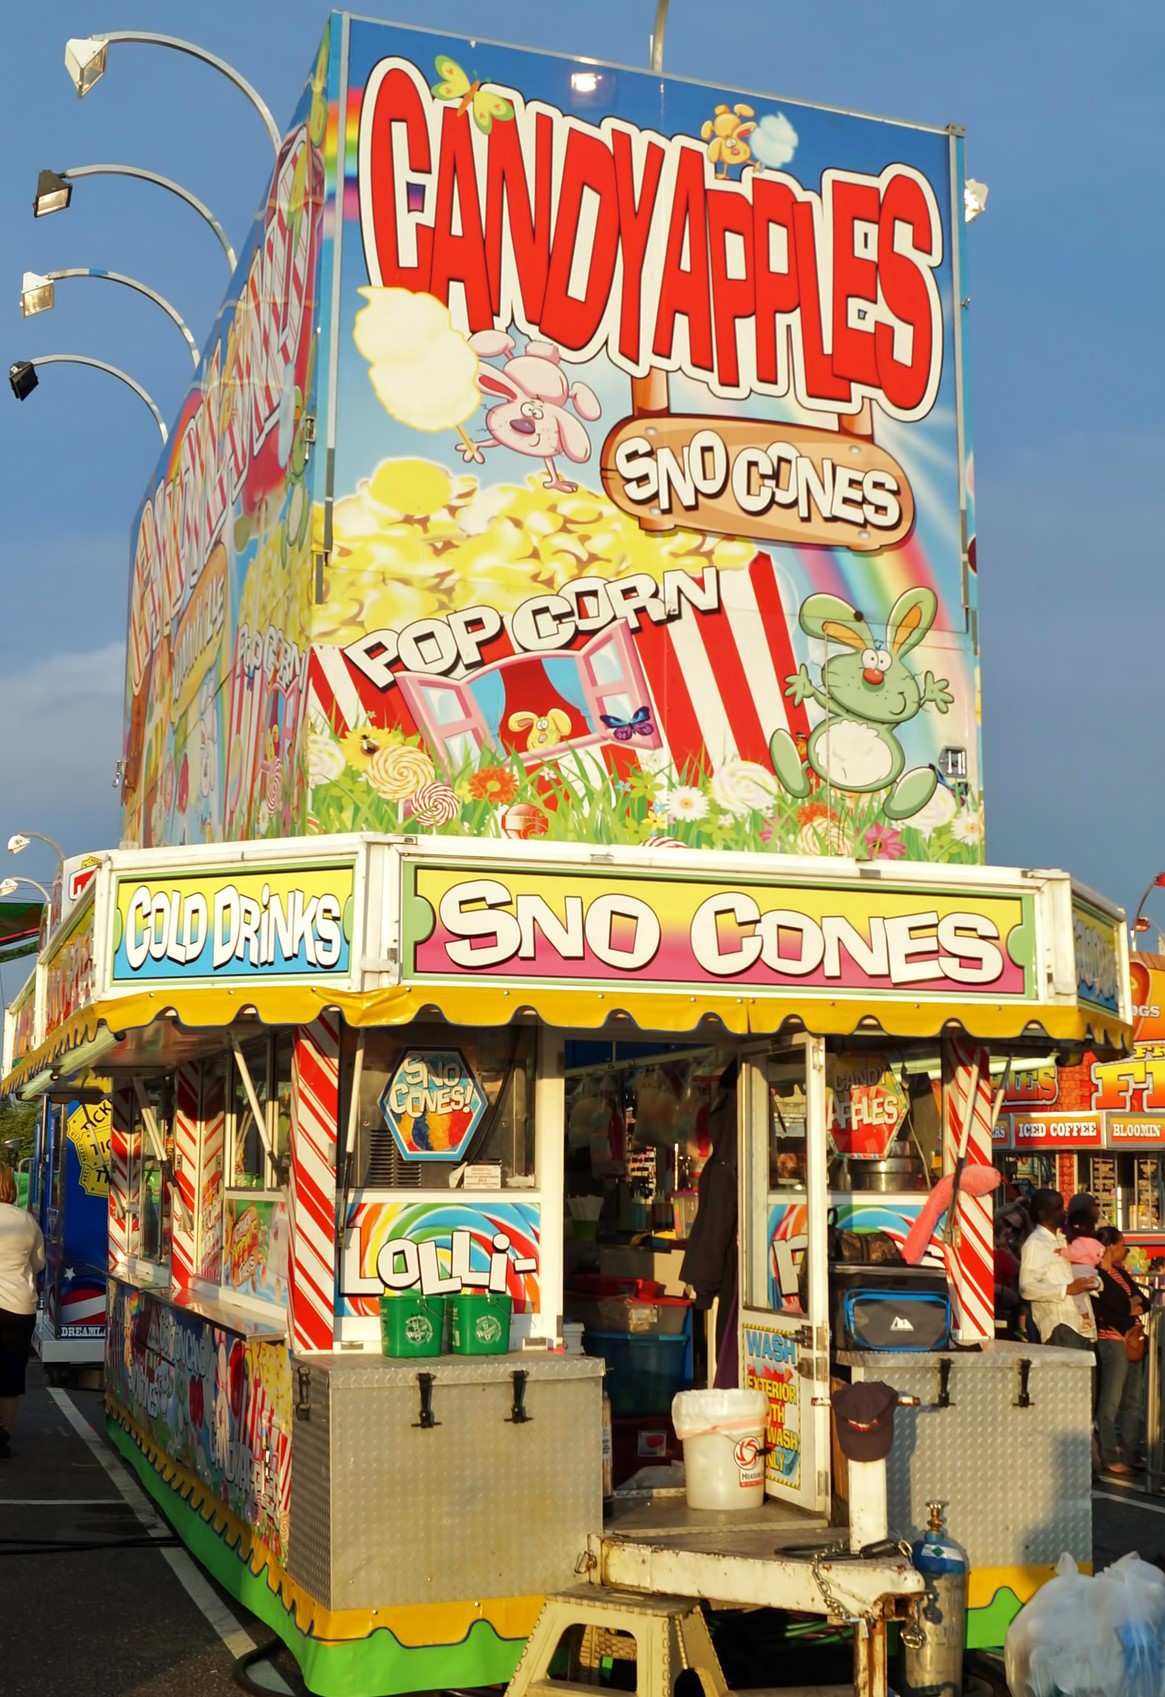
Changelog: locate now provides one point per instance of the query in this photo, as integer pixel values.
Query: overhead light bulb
(85, 61)
(53, 194)
(37, 294)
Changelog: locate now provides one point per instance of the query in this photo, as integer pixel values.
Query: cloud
(774, 141)
(60, 739)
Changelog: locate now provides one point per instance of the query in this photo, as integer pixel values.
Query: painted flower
(493, 783)
(398, 770)
(683, 802)
(361, 745)
(939, 811)
(968, 828)
(325, 759)
(741, 786)
(883, 842)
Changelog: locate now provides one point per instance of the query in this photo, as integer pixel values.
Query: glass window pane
(284, 1050)
(248, 1163)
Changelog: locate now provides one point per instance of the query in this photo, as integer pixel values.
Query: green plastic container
(481, 1322)
(410, 1325)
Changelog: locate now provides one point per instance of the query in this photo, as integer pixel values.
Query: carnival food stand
(551, 764)
(254, 1009)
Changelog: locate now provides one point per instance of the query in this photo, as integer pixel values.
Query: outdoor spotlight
(37, 294)
(85, 61)
(17, 842)
(9, 887)
(23, 378)
(53, 194)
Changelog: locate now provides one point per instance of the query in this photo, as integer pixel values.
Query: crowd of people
(1060, 1278)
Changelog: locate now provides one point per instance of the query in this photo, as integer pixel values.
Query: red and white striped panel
(315, 1112)
(716, 680)
(971, 1255)
(186, 1116)
(211, 1177)
(123, 1226)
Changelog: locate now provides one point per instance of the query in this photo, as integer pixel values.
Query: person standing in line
(1119, 1306)
(21, 1259)
(1049, 1283)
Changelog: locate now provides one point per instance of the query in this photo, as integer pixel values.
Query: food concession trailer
(551, 765)
(256, 1007)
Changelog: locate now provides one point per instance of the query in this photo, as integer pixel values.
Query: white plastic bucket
(723, 1434)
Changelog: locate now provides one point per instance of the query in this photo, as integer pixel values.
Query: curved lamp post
(20, 840)
(10, 885)
(1140, 924)
(38, 294)
(23, 379)
(657, 35)
(85, 62)
(54, 191)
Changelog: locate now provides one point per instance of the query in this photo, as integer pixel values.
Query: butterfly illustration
(487, 106)
(959, 787)
(640, 723)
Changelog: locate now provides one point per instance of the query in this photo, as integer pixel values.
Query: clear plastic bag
(1091, 1637)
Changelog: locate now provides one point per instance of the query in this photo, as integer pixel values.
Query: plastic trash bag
(1091, 1637)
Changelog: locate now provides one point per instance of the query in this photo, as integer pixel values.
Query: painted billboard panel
(220, 566)
(649, 511)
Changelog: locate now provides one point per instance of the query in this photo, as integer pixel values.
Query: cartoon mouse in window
(531, 416)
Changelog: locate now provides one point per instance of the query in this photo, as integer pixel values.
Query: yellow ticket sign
(88, 1129)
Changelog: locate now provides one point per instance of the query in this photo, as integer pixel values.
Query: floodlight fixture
(37, 294)
(85, 58)
(54, 191)
(23, 380)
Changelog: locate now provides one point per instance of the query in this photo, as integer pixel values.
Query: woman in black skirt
(21, 1259)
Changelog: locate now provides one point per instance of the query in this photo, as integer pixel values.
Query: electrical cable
(259, 1654)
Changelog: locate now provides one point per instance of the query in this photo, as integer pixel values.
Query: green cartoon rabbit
(866, 692)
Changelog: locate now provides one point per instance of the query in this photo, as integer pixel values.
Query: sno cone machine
(552, 826)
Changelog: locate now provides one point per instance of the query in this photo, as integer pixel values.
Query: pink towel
(976, 1181)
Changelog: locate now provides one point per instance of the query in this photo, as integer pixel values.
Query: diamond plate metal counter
(987, 1456)
(386, 1512)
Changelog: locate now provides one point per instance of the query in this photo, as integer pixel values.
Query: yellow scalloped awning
(93, 1033)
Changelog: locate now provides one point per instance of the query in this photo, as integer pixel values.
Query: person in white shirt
(21, 1259)
(1049, 1283)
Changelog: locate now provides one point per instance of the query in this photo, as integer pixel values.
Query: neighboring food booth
(351, 1064)
(1099, 1125)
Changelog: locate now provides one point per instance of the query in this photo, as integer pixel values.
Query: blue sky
(1063, 120)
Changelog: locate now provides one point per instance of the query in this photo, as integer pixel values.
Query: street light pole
(36, 296)
(22, 378)
(9, 886)
(19, 841)
(54, 191)
(657, 35)
(85, 63)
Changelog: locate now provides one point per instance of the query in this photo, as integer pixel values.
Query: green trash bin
(410, 1325)
(481, 1322)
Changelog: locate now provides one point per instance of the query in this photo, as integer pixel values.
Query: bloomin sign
(649, 513)
(266, 922)
(652, 931)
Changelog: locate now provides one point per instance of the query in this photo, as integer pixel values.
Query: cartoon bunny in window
(867, 692)
(531, 416)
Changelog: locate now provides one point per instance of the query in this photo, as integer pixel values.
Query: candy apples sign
(865, 1104)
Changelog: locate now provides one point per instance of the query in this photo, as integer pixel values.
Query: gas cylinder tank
(932, 1665)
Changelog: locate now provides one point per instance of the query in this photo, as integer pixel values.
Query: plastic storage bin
(411, 1325)
(723, 1434)
(481, 1322)
(645, 1316)
(643, 1373)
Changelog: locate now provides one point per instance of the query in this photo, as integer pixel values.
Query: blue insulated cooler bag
(895, 1319)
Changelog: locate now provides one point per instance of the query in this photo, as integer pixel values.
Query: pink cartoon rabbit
(532, 416)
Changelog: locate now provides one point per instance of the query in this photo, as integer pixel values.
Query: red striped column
(315, 1112)
(187, 1078)
(971, 1250)
(123, 1224)
(211, 1177)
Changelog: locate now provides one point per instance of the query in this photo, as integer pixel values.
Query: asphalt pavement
(134, 1616)
(120, 1619)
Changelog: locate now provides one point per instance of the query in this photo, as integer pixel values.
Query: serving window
(151, 1145)
(260, 1078)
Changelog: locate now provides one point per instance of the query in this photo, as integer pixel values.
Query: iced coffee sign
(248, 922)
(649, 492)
